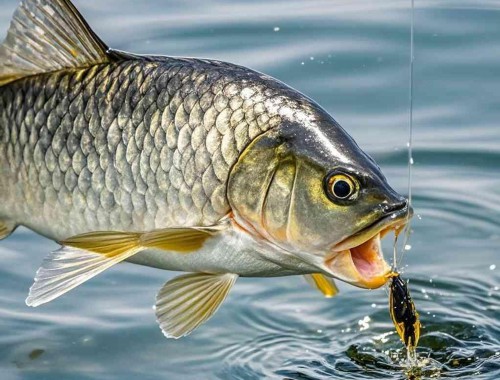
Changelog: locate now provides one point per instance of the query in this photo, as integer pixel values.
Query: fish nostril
(391, 207)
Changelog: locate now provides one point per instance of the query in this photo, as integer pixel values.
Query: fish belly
(131, 146)
(232, 251)
(244, 261)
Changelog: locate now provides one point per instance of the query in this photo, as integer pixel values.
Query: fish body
(140, 144)
(182, 164)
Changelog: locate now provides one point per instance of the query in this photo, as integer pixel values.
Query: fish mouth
(359, 259)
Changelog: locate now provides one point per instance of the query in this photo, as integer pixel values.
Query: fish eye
(339, 186)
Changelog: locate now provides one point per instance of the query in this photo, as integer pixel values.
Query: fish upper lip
(395, 219)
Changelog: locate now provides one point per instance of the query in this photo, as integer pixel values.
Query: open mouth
(359, 259)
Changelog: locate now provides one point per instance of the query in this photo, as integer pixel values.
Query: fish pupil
(341, 189)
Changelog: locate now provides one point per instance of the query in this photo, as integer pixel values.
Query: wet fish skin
(177, 163)
(139, 144)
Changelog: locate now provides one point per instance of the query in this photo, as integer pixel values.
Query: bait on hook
(403, 312)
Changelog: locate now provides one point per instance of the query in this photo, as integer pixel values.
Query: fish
(403, 312)
(181, 164)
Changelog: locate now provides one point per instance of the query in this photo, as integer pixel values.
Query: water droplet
(319, 331)
(276, 29)
(374, 305)
(407, 247)
(311, 58)
(302, 63)
(411, 161)
(364, 323)
(493, 267)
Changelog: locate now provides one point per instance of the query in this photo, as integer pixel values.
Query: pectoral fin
(110, 243)
(6, 228)
(325, 285)
(68, 267)
(187, 301)
(85, 256)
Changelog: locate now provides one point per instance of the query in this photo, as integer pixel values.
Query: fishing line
(401, 307)
(407, 229)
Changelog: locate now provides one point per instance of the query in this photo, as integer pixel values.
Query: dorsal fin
(45, 36)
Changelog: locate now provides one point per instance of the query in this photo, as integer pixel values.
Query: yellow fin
(107, 243)
(178, 239)
(112, 243)
(45, 36)
(189, 300)
(84, 256)
(6, 228)
(325, 285)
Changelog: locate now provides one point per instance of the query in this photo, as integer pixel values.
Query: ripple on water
(459, 339)
(352, 57)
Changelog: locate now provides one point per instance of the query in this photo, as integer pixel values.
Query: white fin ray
(65, 269)
(46, 36)
(189, 300)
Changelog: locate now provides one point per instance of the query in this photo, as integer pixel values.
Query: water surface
(352, 57)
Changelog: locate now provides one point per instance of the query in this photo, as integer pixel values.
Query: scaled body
(142, 144)
(182, 164)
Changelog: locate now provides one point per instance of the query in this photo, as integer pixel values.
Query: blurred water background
(352, 57)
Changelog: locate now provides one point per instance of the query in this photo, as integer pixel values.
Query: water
(352, 57)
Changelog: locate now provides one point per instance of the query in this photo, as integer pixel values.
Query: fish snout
(390, 207)
(397, 204)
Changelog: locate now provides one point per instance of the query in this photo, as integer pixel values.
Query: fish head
(308, 189)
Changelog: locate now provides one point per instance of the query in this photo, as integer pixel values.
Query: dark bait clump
(403, 312)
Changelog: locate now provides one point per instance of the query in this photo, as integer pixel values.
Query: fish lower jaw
(363, 266)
